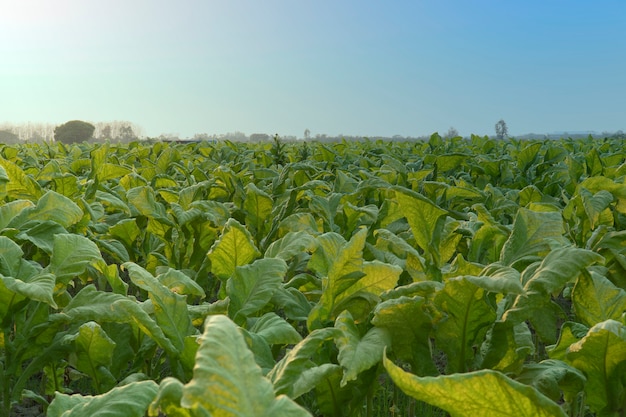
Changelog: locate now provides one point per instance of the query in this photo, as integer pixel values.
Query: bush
(74, 131)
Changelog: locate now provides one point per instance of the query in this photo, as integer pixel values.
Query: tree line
(70, 132)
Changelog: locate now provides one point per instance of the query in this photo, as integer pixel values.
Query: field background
(462, 276)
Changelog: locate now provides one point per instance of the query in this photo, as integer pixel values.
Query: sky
(335, 67)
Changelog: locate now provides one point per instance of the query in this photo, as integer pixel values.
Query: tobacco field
(460, 277)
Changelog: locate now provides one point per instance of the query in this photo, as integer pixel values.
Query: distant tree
(74, 131)
(501, 130)
(106, 132)
(307, 134)
(259, 137)
(127, 134)
(8, 137)
(452, 133)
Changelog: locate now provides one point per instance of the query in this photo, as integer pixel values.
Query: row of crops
(461, 276)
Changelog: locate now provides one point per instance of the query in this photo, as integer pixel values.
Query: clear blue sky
(353, 67)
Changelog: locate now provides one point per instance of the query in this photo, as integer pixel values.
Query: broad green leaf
(39, 287)
(20, 184)
(71, 255)
(293, 302)
(168, 400)
(260, 349)
(328, 249)
(127, 231)
(144, 200)
(467, 317)
(424, 218)
(409, 322)
(559, 267)
(570, 333)
(234, 248)
(94, 352)
(507, 347)
(532, 235)
(596, 299)
(601, 355)
(297, 373)
(102, 307)
(397, 251)
(180, 283)
(595, 204)
(499, 279)
(11, 209)
(226, 380)
(252, 286)
(290, 245)
(11, 262)
(598, 183)
(352, 284)
(258, 207)
(130, 400)
(41, 233)
(481, 393)
(553, 379)
(170, 309)
(527, 156)
(356, 353)
(275, 330)
(51, 206)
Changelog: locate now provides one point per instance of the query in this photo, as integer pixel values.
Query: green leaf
(144, 200)
(352, 283)
(507, 347)
(252, 287)
(258, 207)
(481, 393)
(168, 400)
(94, 350)
(170, 309)
(553, 378)
(234, 248)
(499, 279)
(356, 353)
(39, 287)
(71, 255)
(570, 333)
(410, 324)
(532, 234)
(11, 209)
(93, 305)
(296, 373)
(424, 219)
(127, 231)
(290, 245)
(328, 249)
(130, 400)
(559, 267)
(467, 317)
(41, 233)
(20, 184)
(596, 299)
(51, 206)
(180, 283)
(275, 330)
(226, 380)
(595, 204)
(601, 355)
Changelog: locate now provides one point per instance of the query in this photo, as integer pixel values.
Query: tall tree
(501, 130)
(74, 131)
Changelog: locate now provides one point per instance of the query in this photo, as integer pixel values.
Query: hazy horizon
(357, 68)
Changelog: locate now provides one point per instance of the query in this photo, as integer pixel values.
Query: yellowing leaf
(483, 393)
(234, 248)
